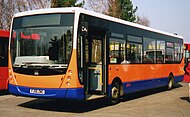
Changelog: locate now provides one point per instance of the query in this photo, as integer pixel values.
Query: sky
(171, 16)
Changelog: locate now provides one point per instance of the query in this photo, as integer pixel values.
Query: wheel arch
(171, 75)
(117, 79)
(170, 81)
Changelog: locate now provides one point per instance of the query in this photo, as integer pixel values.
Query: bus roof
(4, 33)
(91, 13)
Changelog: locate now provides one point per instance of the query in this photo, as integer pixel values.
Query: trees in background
(143, 21)
(9, 7)
(100, 6)
(122, 9)
(128, 11)
(66, 3)
(114, 8)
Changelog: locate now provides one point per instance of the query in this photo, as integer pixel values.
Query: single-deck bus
(72, 53)
(4, 41)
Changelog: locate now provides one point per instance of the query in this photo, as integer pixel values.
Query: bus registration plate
(37, 91)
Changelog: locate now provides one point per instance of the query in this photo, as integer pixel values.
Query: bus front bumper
(57, 93)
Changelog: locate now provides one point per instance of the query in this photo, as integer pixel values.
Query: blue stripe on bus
(130, 87)
(78, 93)
(178, 78)
(64, 93)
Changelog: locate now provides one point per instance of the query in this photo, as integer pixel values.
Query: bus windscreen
(39, 45)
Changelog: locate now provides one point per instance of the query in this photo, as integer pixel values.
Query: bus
(72, 53)
(187, 52)
(4, 41)
(187, 60)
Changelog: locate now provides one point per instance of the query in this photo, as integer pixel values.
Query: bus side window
(169, 53)
(117, 50)
(149, 50)
(134, 49)
(134, 52)
(160, 51)
(178, 49)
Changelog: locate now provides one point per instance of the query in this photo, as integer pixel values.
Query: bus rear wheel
(115, 93)
(171, 82)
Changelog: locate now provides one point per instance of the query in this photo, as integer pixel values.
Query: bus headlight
(10, 74)
(69, 78)
(68, 83)
(70, 72)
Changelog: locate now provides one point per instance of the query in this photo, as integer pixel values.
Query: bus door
(94, 63)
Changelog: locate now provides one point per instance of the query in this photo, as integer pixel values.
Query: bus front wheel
(115, 93)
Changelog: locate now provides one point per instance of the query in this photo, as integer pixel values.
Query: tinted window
(134, 52)
(178, 52)
(44, 20)
(169, 58)
(160, 52)
(117, 50)
(134, 39)
(149, 50)
(41, 20)
(169, 55)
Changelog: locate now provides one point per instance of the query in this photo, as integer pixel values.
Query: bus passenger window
(160, 51)
(134, 52)
(169, 53)
(117, 50)
(178, 52)
(149, 50)
(134, 49)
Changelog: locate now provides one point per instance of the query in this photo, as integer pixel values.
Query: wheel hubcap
(115, 92)
(170, 84)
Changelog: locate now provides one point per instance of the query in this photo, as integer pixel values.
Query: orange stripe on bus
(137, 72)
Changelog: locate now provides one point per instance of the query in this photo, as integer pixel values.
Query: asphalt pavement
(152, 103)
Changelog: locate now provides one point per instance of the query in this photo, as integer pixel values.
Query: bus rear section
(42, 57)
(4, 40)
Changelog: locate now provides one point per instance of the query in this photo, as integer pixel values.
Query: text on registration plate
(37, 91)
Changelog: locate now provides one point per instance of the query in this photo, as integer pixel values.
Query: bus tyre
(171, 82)
(115, 93)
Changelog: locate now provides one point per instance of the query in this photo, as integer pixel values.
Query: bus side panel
(136, 77)
(3, 84)
(130, 87)
(3, 77)
(4, 36)
(178, 78)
